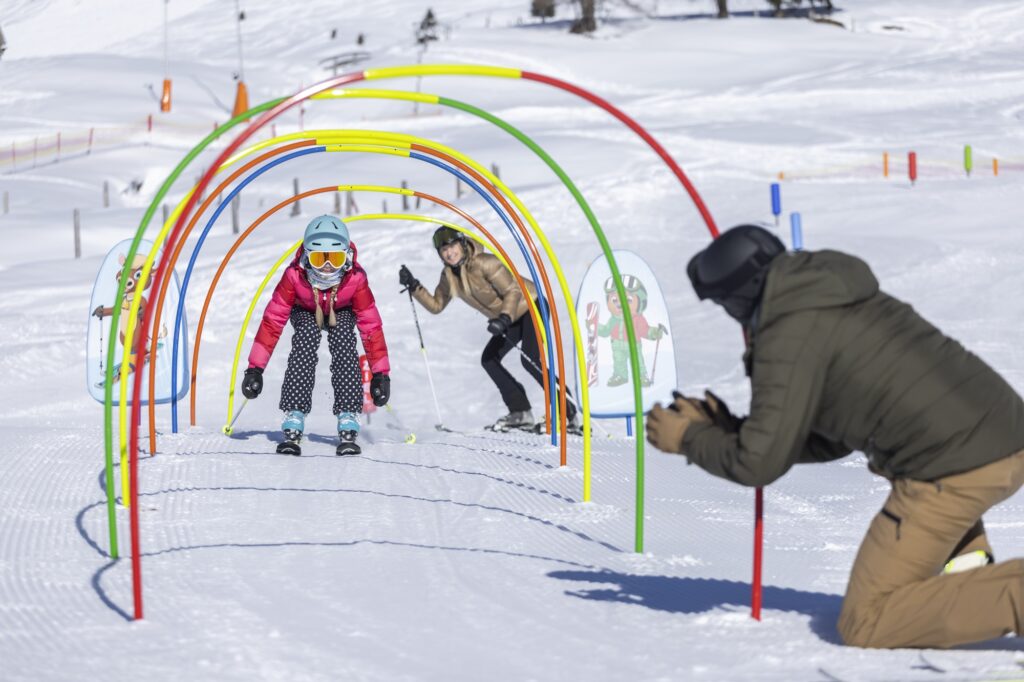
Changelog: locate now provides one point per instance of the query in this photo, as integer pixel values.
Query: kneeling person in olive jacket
(837, 365)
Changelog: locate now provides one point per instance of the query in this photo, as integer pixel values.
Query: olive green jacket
(483, 282)
(837, 365)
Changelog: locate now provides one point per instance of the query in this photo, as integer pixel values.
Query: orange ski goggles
(318, 259)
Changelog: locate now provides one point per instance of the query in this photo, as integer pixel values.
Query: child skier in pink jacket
(323, 287)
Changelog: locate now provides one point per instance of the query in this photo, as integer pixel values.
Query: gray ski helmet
(326, 233)
(632, 285)
(733, 269)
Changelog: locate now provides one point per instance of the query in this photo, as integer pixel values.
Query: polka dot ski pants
(299, 378)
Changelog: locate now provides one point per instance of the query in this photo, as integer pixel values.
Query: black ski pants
(512, 392)
(300, 377)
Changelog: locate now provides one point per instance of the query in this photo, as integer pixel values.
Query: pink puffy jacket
(293, 289)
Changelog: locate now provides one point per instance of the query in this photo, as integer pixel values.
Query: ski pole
(423, 349)
(101, 344)
(657, 344)
(568, 396)
(230, 427)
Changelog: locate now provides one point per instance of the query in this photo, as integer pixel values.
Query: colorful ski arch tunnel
(534, 311)
(345, 147)
(269, 111)
(494, 245)
(294, 154)
(321, 148)
(366, 144)
(176, 252)
(290, 251)
(416, 147)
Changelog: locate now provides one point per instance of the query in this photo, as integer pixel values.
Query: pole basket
(241, 100)
(165, 98)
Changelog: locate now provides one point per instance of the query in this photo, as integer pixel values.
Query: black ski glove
(252, 382)
(406, 279)
(499, 325)
(380, 389)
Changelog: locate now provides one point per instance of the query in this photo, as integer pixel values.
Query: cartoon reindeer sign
(114, 269)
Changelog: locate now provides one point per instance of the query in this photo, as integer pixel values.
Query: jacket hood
(809, 280)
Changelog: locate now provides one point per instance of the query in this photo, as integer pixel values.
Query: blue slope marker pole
(776, 202)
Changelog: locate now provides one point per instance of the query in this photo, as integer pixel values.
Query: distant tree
(427, 31)
(545, 9)
(723, 9)
(3, 44)
(587, 23)
(779, 6)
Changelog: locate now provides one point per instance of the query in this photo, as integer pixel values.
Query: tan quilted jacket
(482, 282)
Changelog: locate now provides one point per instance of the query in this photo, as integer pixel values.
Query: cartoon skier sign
(607, 347)
(101, 308)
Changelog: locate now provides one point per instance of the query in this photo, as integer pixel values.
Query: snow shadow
(97, 586)
(492, 477)
(276, 437)
(96, 581)
(501, 453)
(389, 496)
(697, 595)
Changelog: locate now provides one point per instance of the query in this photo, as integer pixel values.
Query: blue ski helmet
(326, 233)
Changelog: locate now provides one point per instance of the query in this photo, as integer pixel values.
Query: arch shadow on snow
(698, 595)
(502, 453)
(397, 496)
(493, 477)
(96, 581)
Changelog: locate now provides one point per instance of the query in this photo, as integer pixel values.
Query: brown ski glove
(666, 427)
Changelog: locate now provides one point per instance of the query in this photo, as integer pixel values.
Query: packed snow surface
(470, 555)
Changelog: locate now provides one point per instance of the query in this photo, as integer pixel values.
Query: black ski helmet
(445, 235)
(732, 270)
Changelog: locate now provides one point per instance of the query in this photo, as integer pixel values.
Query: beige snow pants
(898, 596)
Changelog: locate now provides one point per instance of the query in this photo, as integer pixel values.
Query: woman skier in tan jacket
(483, 282)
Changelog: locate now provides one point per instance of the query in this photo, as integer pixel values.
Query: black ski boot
(290, 446)
(348, 444)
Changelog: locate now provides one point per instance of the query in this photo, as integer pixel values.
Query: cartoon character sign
(607, 347)
(615, 328)
(101, 309)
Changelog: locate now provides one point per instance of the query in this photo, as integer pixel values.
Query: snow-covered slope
(470, 555)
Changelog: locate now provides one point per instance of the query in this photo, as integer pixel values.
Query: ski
(289, 447)
(348, 449)
(348, 444)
